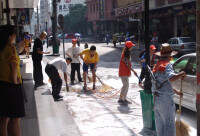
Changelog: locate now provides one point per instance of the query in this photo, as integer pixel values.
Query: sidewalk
(44, 117)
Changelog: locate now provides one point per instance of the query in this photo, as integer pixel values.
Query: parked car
(51, 41)
(183, 45)
(186, 63)
(70, 36)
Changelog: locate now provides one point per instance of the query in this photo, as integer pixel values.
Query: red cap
(152, 47)
(74, 40)
(129, 44)
(154, 33)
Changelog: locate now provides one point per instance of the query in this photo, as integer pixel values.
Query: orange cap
(74, 40)
(129, 44)
(152, 47)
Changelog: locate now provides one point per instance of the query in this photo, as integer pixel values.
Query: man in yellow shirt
(91, 59)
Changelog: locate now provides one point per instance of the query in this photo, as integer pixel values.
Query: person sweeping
(163, 92)
(125, 71)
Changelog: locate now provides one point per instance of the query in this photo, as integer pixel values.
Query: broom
(182, 129)
(105, 88)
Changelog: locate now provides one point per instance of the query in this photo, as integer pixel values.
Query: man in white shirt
(74, 52)
(52, 71)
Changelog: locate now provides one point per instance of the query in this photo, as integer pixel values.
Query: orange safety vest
(123, 68)
(160, 66)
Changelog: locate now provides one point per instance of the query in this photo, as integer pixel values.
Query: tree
(75, 21)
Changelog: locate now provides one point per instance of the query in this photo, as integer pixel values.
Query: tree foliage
(75, 21)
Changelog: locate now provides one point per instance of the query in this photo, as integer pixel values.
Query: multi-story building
(101, 14)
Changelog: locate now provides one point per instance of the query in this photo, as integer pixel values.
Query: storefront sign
(23, 17)
(174, 1)
(122, 3)
(129, 9)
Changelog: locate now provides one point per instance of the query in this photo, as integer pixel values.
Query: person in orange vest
(163, 92)
(125, 71)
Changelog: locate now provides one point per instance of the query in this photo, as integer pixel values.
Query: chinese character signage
(23, 16)
(101, 8)
(122, 3)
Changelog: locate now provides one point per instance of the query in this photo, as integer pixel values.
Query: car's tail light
(182, 46)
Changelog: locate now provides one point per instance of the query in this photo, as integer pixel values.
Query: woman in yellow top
(11, 95)
(91, 59)
(27, 40)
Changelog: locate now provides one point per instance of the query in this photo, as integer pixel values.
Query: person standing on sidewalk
(114, 40)
(74, 52)
(78, 38)
(37, 58)
(11, 94)
(164, 106)
(143, 60)
(154, 40)
(27, 40)
(91, 58)
(125, 71)
(51, 70)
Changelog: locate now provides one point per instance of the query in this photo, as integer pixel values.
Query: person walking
(164, 106)
(143, 60)
(107, 39)
(114, 40)
(125, 71)
(27, 40)
(11, 93)
(51, 70)
(37, 58)
(91, 58)
(74, 52)
(78, 38)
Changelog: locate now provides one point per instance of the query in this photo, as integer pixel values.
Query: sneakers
(124, 102)
(72, 82)
(58, 98)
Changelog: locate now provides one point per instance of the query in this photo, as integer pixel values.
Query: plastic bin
(147, 109)
(55, 49)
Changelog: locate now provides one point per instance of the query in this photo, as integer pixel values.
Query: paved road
(108, 72)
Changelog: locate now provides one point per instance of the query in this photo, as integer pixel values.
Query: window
(97, 7)
(180, 65)
(185, 40)
(191, 70)
(113, 4)
(175, 41)
(169, 41)
(94, 7)
(91, 8)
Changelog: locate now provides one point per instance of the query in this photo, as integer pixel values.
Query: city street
(97, 116)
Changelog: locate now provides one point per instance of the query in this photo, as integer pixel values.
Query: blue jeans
(165, 115)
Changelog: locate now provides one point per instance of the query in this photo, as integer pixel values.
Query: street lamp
(47, 33)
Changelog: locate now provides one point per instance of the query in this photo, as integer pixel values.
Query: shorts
(85, 67)
(11, 100)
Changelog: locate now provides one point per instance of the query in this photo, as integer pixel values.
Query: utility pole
(147, 82)
(198, 64)
(54, 22)
(7, 12)
(37, 22)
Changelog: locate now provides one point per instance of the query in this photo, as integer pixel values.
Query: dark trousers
(143, 74)
(75, 67)
(56, 81)
(78, 43)
(37, 71)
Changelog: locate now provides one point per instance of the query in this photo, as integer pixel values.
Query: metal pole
(47, 36)
(147, 82)
(54, 23)
(63, 43)
(37, 22)
(8, 12)
(198, 64)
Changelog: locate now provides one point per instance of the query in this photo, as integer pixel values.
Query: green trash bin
(55, 49)
(147, 109)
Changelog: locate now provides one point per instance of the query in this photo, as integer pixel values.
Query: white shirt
(73, 51)
(60, 64)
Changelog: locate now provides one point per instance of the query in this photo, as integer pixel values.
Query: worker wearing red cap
(125, 71)
(74, 52)
(143, 60)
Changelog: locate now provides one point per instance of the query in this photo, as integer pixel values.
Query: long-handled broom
(182, 129)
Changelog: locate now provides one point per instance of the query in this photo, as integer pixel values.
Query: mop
(182, 129)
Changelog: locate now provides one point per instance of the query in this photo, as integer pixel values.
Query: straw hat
(166, 51)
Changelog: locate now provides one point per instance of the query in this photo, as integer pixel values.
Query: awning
(23, 3)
